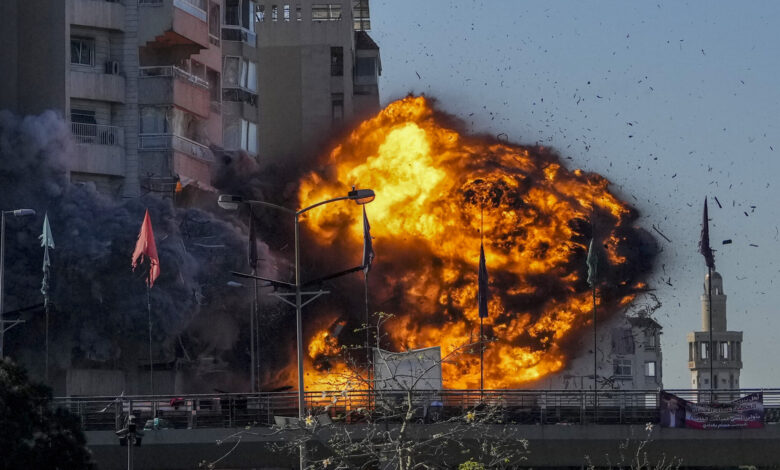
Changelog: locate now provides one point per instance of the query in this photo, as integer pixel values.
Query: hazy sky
(672, 101)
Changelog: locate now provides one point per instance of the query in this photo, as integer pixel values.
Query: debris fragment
(727, 241)
(659, 233)
(716, 200)
(753, 244)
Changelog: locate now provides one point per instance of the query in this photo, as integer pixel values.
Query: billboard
(745, 412)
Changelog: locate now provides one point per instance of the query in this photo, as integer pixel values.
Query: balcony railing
(172, 71)
(175, 142)
(97, 134)
(238, 34)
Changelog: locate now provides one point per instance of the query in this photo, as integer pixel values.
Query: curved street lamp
(14, 213)
(231, 202)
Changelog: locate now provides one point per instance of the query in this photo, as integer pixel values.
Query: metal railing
(175, 142)
(264, 409)
(238, 34)
(97, 134)
(172, 71)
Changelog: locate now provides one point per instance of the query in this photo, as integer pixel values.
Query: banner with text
(745, 412)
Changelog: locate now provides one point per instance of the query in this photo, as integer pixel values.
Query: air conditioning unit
(112, 67)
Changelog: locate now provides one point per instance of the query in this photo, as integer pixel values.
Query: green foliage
(471, 465)
(32, 435)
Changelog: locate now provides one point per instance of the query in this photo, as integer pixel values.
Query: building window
(360, 15)
(715, 382)
(704, 350)
(622, 367)
(82, 51)
(622, 341)
(336, 61)
(249, 136)
(325, 12)
(650, 369)
(286, 12)
(337, 106)
(260, 13)
(239, 73)
(298, 12)
(274, 12)
(82, 116)
(232, 12)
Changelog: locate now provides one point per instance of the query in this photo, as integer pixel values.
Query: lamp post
(15, 213)
(229, 202)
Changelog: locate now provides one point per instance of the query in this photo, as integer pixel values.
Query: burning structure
(436, 190)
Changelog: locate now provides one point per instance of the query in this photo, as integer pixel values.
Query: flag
(146, 246)
(252, 252)
(47, 241)
(593, 264)
(368, 247)
(704, 243)
(483, 292)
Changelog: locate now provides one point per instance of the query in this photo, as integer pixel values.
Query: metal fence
(264, 409)
(175, 142)
(172, 71)
(97, 134)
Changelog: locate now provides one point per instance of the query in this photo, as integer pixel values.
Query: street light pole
(15, 213)
(360, 196)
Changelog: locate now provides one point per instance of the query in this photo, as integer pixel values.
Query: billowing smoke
(99, 315)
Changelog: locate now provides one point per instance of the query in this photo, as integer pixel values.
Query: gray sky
(671, 101)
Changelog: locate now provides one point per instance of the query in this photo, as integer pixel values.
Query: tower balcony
(100, 149)
(171, 85)
(171, 154)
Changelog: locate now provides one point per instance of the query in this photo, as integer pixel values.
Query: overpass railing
(511, 406)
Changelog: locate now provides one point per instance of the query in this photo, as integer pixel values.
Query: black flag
(483, 292)
(368, 247)
(704, 243)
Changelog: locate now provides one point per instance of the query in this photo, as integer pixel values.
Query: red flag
(146, 246)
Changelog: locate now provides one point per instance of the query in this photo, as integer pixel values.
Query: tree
(32, 434)
(397, 418)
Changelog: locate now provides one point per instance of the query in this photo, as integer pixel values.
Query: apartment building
(138, 81)
(295, 75)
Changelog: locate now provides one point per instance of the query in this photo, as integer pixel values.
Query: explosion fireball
(439, 192)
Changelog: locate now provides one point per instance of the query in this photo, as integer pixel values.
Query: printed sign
(745, 412)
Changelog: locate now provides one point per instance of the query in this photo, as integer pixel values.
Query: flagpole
(595, 356)
(149, 311)
(481, 332)
(47, 344)
(712, 351)
(368, 339)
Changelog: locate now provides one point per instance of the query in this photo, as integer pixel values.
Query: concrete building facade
(132, 78)
(628, 357)
(726, 354)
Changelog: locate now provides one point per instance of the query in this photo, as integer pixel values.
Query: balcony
(238, 34)
(97, 86)
(185, 25)
(174, 154)
(172, 85)
(104, 14)
(100, 149)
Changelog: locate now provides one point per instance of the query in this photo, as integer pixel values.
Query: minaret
(727, 345)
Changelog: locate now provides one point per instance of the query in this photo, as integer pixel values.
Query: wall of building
(43, 56)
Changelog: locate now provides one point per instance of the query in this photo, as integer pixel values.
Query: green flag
(47, 241)
(593, 264)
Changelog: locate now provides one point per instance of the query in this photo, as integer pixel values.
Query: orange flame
(437, 192)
